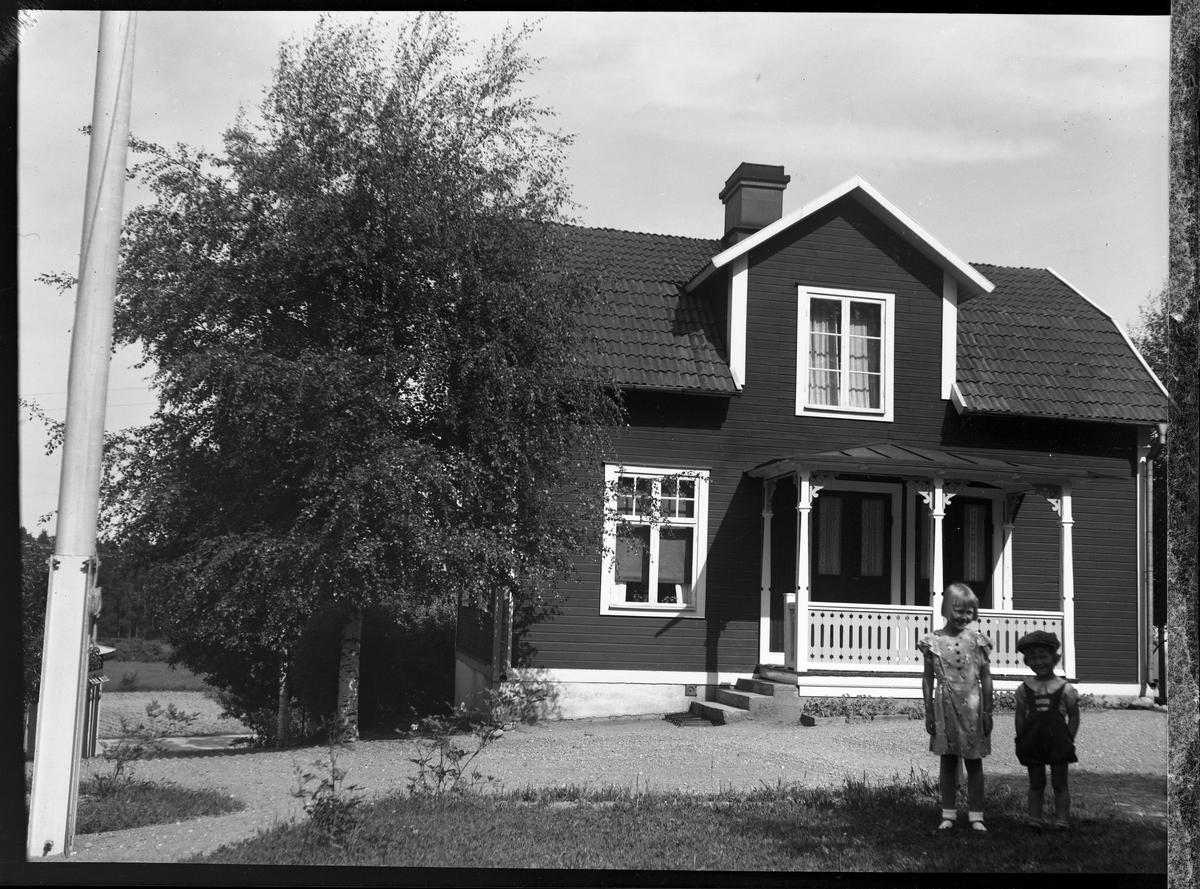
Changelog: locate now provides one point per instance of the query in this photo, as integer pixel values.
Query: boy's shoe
(1062, 825)
(1035, 823)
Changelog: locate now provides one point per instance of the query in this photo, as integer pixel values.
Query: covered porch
(858, 546)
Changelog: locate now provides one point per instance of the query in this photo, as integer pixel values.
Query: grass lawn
(140, 803)
(142, 676)
(857, 827)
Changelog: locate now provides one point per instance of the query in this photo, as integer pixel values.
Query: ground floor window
(655, 541)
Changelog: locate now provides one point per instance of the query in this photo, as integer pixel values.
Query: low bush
(146, 651)
(862, 706)
(139, 741)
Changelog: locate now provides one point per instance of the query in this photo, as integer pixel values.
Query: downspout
(1145, 567)
(1159, 519)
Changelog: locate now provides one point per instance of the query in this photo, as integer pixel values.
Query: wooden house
(831, 417)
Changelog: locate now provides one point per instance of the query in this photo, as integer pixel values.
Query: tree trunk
(347, 705)
(283, 716)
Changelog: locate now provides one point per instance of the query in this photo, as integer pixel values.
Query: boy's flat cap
(1037, 639)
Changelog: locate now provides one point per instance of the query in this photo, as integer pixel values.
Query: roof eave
(679, 390)
(1019, 475)
(969, 411)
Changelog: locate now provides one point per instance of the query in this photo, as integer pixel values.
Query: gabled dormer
(753, 216)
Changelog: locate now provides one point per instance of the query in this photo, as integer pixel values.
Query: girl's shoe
(978, 825)
(946, 824)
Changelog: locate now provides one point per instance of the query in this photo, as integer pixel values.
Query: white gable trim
(895, 218)
(1120, 330)
(736, 313)
(949, 332)
(956, 397)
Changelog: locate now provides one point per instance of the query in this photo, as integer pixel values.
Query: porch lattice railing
(884, 637)
(865, 637)
(1004, 628)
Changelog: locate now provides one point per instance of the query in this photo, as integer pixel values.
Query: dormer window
(844, 349)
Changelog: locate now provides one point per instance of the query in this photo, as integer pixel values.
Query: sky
(1020, 140)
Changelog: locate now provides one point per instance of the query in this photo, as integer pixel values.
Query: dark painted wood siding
(1106, 619)
(843, 247)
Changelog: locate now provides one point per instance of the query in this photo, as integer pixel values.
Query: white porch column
(798, 607)
(764, 607)
(1060, 500)
(937, 580)
(1067, 579)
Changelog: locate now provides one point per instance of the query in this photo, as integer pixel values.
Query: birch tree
(369, 369)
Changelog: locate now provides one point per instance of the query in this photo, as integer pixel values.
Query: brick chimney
(753, 199)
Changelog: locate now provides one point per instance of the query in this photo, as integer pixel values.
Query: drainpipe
(1145, 582)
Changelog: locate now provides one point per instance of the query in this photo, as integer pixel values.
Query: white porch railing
(1004, 628)
(884, 638)
(865, 637)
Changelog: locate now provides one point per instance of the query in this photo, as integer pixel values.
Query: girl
(1047, 721)
(957, 686)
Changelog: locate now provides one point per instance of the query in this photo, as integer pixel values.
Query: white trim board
(891, 215)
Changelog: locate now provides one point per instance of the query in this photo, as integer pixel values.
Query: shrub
(332, 805)
(443, 762)
(1004, 700)
(863, 707)
(146, 651)
(264, 721)
(128, 682)
(138, 742)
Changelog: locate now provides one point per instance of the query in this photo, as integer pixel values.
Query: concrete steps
(718, 713)
(757, 696)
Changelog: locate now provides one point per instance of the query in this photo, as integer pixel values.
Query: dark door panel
(851, 548)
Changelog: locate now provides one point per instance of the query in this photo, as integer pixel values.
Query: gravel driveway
(628, 752)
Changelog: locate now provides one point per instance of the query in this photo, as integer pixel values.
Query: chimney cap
(763, 175)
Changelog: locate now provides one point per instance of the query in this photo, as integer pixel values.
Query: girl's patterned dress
(1044, 739)
(957, 695)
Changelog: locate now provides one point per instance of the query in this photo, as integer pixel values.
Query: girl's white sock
(949, 814)
(975, 816)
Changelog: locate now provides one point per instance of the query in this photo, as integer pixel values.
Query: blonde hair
(959, 592)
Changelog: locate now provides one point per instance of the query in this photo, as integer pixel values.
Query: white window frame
(612, 596)
(887, 301)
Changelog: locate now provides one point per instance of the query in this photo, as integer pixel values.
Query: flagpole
(59, 740)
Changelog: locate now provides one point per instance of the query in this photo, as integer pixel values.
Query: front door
(968, 537)
(851, 547)
(966, 548)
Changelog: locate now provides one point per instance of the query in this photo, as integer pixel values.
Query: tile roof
(1033, 346)
(650, 334)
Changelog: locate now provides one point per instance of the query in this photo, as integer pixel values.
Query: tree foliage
(370, 374)
(35, 580)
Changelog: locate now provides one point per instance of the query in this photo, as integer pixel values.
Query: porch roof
(889, 458)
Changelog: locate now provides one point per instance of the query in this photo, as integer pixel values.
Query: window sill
(633, 610)
(878, 416)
